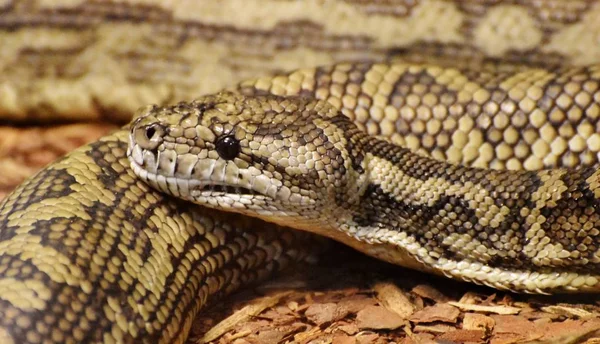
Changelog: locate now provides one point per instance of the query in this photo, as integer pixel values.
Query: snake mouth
(186, 187)
(199, 190)
(150, 167)
(223, 189)
(212, 185)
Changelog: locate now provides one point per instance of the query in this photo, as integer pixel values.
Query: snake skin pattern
(302, 163)
(89, 253)
(102, 59)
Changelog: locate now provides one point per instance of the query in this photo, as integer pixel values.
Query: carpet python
(300, 162)
(90, 253)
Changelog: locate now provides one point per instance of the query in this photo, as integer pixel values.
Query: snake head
(259, 155)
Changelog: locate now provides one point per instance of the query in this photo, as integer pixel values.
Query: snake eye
(150, 131)
(228, 147)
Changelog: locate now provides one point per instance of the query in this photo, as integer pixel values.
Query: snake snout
(145, 138)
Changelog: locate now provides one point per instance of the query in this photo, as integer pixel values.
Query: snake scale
(473, 99)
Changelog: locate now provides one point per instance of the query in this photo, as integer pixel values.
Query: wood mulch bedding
(353, 299)
(25, 150)
(347, 298)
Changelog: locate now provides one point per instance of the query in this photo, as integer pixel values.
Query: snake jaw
(217, 194)
(211, 183)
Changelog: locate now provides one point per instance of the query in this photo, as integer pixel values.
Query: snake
(466, 147)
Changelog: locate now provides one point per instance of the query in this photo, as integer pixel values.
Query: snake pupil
(228, 147)
(150, 131)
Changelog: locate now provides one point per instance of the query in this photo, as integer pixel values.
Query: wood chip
(350, 329)
(239, 335)
(573, 329)
(536, 315)
(474, 321)
(394, 299)
(542, 321)
(269, 336)
(513, 338)
(355, 303)
(242, 315)
(307, 336)
(343, 339)
(293, 306)
(429, 292)
(570, 312)
(437, 328)
(471, 298)
(419, 338)
(512, 324)
(377, 317)
(462, 336)
(486, 309)
(292, 330)
(440, 312)
(322, 313)
(516, 329)
(367, 338)
(279, 318)
(241, 341)
(566, 332)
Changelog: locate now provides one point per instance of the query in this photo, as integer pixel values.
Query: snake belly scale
(91, 253)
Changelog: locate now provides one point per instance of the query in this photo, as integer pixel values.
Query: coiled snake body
(422, 173)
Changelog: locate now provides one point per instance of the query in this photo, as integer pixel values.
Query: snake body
(102, 59)
(300, 162)
(89, 252)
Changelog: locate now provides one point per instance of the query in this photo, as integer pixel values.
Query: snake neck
(438, 212)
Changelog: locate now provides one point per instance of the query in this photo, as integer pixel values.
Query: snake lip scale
(311, 168)
(205, 189)
(197, 188)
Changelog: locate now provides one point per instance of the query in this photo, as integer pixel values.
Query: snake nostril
(148, 136)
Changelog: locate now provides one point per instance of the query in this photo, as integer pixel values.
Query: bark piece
(269, 336)
(474, 321)
(486, 309)
(440, 312)
(463, 336)
(570, 312)
(436, 329)
(242, 315)
(355, 303)
(378, 318)
(350, 329)
(394, 299)
(429, 292)
(343, 339)
(322, 313)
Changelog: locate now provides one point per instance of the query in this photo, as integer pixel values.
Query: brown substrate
(23, 151)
